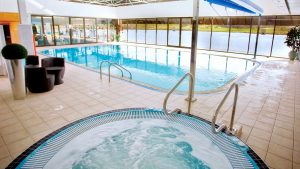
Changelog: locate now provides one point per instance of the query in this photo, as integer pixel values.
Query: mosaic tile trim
(37, 156)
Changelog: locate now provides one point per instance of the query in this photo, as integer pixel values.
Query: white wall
(59, 8)
(174, 9)
(152, 10)
(8, 6)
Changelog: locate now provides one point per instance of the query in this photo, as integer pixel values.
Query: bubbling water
(139, 144)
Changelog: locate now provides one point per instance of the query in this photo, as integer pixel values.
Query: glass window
(174, 31)
(220, 34)
(186, 32)
(112, 29)
(37, 30)
(90, 30)
(140, 31)
(239, 35)
(123, 31)
(162, 27)
(61, 30)
(265, 35)
(131, 30)
(48, 31)
(283, 25)
(102, 30)
(77, 31)
(204, 32)
(253, 35)
(151, 31)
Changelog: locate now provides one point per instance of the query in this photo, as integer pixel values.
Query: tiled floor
(268, 109)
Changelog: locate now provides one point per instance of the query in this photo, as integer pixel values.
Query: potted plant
(293, 41)
(15, 55)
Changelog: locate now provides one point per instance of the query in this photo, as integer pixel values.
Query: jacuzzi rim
(17, 161)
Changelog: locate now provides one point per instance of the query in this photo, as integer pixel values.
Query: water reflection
(158, 67)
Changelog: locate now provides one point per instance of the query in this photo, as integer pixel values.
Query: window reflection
(77, 31)
(150, 31)
(174, 28)
(90, 30)
(220, 34)
(265, 35)
(111, 30)
(162, 27)
(131, 31)
(283, 25)
(124, 30)
(48, 31)
(204, 32)
(140, 31)
(186, 32)
(239, 36)
(37, 30)
(102, 30)
(61, 30)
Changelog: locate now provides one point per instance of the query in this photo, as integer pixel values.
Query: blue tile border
(192, 120)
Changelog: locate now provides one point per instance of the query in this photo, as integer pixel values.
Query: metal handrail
(172, 90)
(223, 126)
(105, 61)
(119, 67)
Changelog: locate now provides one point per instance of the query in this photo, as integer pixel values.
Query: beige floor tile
(296, 166)
(258, 142)
(296, 157)
(4, 162)
(13, 137)
(264, 126)
(11, 129)
(3, 152)
(283, 132)
(37, 128)
(20, 146)
(281, 151)
(261, 134)
(278, 162)
(283, 141)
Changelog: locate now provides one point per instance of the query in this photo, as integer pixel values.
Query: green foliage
(293, 38)
(118, 38)
(14, 51)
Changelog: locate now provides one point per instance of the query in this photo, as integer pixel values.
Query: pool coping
(14, 164)
(238, 79)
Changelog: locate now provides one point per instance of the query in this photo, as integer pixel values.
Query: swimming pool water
(158, 68)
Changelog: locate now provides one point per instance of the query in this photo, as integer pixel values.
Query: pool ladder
(119, 67)
(173, 89)
(228, 130)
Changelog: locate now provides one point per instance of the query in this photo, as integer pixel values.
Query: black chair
(32, 60)
(55, 66)
(38, 80)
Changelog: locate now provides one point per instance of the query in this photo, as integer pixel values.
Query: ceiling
(270, 7)
(117, 3)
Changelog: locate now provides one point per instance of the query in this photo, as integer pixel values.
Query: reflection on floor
(268, 109)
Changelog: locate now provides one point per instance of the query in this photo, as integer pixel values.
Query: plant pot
(16, 75)
(292, 55)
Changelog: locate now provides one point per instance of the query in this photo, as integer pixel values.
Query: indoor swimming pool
(158, 68)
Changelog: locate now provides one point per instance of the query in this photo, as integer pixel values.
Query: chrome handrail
(223, 126)
(109, 63)
(120, 67)
(172, 90)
